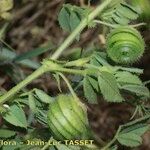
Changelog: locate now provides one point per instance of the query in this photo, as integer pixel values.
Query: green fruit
(67, 118)
(125, 45)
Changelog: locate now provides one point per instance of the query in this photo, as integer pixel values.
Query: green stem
(69, 86)
(81, 26)
(72, 71)
(105, 23)
(45, 146)
(58, 52)
(22, 84)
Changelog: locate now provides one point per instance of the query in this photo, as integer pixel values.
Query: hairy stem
(82, 25)
(58, 52)
(21, 85)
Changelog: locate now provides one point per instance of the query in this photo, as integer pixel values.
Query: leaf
(64, 19)
(74, 22)
(101, 58)
(16, 116)
(109, 88)
(5, 133)
(7, 55)
(43, 96)
(138, 129)
(131, 132)
(94, 83)
(33, 53)
(138, 89)
(127, 77)
(129, 139)
(32, 104)
(89, 91)
(57, 78)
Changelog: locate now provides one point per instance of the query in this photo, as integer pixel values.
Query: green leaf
(109, 88)
(137, 89)
(32, 104)
(74, 22)
(138, 129)
(130, 134)
(33, 53)
(127, 77)
(89, 91)
(101, 58)
(94, 83)
(43, 96)
(16, 116)
(5, 133)
(129, 139)
(7, 55)
(64, 19)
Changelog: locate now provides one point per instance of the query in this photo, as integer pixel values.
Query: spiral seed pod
(67, 119)
(125, 45)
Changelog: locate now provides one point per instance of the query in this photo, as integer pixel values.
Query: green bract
(67, 118)
(125, 45)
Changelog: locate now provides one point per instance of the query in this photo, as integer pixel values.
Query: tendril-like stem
(69, 85)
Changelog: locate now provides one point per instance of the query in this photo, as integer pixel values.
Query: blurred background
(34, 24)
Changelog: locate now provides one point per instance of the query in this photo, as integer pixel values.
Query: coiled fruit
(125, 45)
(67, 118)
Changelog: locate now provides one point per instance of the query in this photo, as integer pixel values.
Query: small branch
(21, 85)
(117, 25)
(69, 85)
(45, 146)
(105, 23)
(138, 25)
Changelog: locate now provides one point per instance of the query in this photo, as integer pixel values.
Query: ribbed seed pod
(67, 118)
(125, 45)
